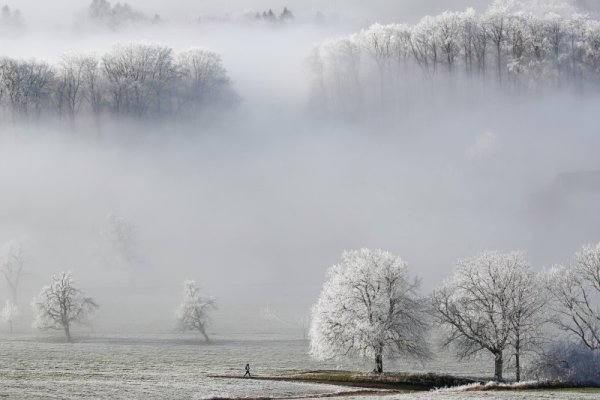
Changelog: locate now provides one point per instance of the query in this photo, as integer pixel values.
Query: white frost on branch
(60, 305)
(576, 294)
(514, 45)
(491, 304)
(369, 308)
(193, 314)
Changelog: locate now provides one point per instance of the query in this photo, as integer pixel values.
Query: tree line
(118, 14)
(502, 47)
(493, 303)
(135, 80)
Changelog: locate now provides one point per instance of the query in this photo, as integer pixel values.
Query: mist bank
(67, 13)
(256, 211)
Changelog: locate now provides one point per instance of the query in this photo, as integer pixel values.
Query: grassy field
(171, 366)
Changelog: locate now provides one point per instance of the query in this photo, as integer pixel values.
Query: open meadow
(175, 366)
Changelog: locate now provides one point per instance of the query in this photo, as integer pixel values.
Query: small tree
(486, 306)
(9, 313)
(12, 262)
(528, 314)
(368, 308)
(60, 304)
(576, 294)
(193, 312)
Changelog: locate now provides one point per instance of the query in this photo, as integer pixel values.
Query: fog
(257, 204)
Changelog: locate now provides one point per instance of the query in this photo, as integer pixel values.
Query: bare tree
(120, 234)
(70, 84)
(202, 79)
(60, 305)
(424, 45)
(9, 313)
(480, 44)
(26, 84)
(94, 84)
(11, 81)
(378, 42)
(12, 263)
(29, 84)
(342, 68)
(528, 314)
(468, 36)
(193, 312)
(369, 308)
(496, 23)
(138, 75)
(484, 305)
(449, 24)
(576, 295)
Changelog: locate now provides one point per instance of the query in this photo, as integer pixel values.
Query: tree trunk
(499, 54)
(498, 366)
(518, 367)
(379, 363)
(14, 294)
(203, 332)
(518, 359)
(67, 332)
(10, 327)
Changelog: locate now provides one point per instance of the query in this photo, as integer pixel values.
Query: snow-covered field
(179, 367)
(145, 367)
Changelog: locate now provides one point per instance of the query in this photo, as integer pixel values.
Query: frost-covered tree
(378, 42)
(138, 76)
(576, 294)
(424, 45)
(132, 79)
(9, 313)
(449, 29)
(202, 81)
(369, 308)
(12, 263)
(531, 47)
(60, 305)
(27, 85)
(485, 306)
(496, 20)
(528, 315)
(94, 84)
(193, 314)
(70, 81)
